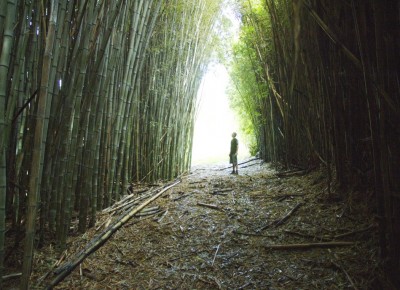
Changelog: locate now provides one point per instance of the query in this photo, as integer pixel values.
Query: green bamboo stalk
(5, 57)
(39, 147)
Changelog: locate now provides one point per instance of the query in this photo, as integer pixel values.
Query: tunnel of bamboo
(95, 95)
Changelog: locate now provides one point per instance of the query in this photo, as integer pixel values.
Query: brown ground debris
(213, 231)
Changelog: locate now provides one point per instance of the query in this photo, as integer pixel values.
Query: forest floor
(257, 230)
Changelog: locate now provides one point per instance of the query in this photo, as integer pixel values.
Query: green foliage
(249, 89)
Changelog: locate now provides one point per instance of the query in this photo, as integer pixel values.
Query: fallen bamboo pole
(282, 220)
(309, 245)
(276, 223)
(97, 242)
(209, 205)
(253, 159)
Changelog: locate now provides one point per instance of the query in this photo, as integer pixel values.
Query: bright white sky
(215, 120)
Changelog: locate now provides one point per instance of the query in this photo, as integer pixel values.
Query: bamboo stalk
(309, 245)
(68, 267)
(39, 147)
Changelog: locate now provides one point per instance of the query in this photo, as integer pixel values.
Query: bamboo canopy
(96, 94)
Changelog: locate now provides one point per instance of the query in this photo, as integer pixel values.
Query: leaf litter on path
(255, 230)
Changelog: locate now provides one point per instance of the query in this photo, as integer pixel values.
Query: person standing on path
(233, 154)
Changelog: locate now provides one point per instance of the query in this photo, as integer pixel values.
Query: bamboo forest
(98, 105)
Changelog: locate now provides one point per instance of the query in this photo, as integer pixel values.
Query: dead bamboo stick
(282, 220)
(10, 276)
(355, 232)
(347, 275)
(209, 205)
(240, 163)
(97, 242)
(219, 191)
(309, 245)
(215, 255)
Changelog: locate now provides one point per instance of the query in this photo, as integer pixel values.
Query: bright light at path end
(215, 120)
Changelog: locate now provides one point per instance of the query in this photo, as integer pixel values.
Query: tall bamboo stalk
(38, 149)
(7, 22)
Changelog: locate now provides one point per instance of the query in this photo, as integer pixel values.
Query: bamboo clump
(318, 81)
(94, 95)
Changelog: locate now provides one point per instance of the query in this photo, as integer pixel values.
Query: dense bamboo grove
(320, 82)
(93, 95)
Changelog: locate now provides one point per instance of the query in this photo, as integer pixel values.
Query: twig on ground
(249, 165)
(285, 196)
(162, 216)
(314, 237)
(180, 197)
(10, 276)
(355, 232)
(253, 234)
(215, 255)
(279, 222)
(240, 163)
(209, 206)
(290, 173)
(282, 220)
(309, 245)
(221, 191)
(347, 274)
(245, 285)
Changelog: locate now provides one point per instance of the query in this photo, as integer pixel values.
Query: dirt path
(225, 245)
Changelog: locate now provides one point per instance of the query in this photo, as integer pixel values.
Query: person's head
(233, 134)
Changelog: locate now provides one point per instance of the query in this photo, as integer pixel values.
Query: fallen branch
(355, 232)
(285, 196)
(180, 197)
(209, 205)
(122, 203)
(162, 216)
(309, 245)
(304, 235)
(291, 173)
(149, 213)
(194, 182)
(221, 191)
(240, 163)
(10, 276)
(249, 165)
(253, 234)
(347, 274)
(277, 223)
(215, 255)
(97, 242)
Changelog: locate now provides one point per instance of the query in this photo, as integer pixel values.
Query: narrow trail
(215, 231)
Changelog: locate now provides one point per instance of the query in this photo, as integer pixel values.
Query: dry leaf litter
(256, 230)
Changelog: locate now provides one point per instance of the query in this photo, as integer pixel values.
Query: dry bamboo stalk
(180, 197)
(219, 191)
(10, 276)
(97, 242)
(209, 206)
(309, 245)
(253, 159)
(347, 275)
(355, 232)
(282, 220)
(162, 216)
(215, 255)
